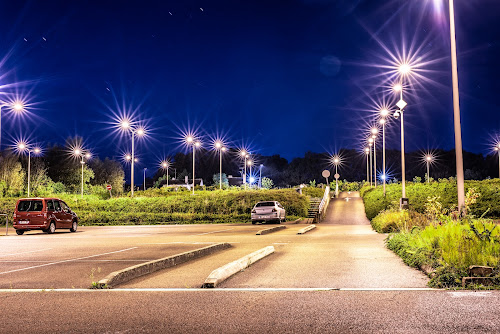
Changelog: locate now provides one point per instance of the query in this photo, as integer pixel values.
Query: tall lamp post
(403, 69)
(36, 150)
(80, 153)
(383, 113)
(370, 144)
(497, 148)
(219, 146)
(250, 163)
(144, 184)
(428, 160)
(260, 176)
(367, 152)
(336, 162)
(245, 155)
(190, 140)
(165, 166)
(374, 132)
(16, 106)
(134, 131)
(456, 113)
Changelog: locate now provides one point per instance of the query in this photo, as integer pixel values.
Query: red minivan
(46, 214)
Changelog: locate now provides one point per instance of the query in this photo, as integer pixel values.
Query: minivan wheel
(74, 226)
(52, 228)
(20, 232)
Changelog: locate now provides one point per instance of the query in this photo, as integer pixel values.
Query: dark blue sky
(279, 77)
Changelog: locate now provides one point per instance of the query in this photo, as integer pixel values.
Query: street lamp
(219, 146)
(401, 104)
(456, 114)
(80, 153)
(135, 131)
(374, 132)
(336, 162)
(16, 106)
(190, 140)
(260, 176)
(428, 160)
(250, 163)
(165, 166)
(26, 147)
(245, 155)
(367, 153)
(384, 113)
(144, 184)
(497, 148)
(370, 144)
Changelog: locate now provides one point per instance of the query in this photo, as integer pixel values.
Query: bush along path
(431, 236)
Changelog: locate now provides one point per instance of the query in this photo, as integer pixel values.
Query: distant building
(234, 181)
(186, 183)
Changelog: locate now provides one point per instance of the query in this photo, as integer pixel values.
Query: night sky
(276, 77)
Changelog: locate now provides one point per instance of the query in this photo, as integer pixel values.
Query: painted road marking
(460, 294)
(63, 261)
(229, 229)
(222, 290)
(35, 251)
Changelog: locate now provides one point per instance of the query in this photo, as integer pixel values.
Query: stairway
(314, 207)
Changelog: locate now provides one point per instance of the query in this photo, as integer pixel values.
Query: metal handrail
(324, 202)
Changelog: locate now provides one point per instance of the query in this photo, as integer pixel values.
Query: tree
(267, 183)
(12, 176)
(216, 180)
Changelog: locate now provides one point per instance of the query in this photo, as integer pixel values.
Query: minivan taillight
(254, 211)
(274, 210)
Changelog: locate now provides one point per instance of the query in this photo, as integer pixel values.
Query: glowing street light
(367, 152)
(139, 131)
(401, 105)
(245, 155)
(384, 113)
(80, 153)
(22, 147)
(374, 132)
(16, 106)
(428, 160)
(190, 140)
(165, 165)
(336, 162)
(219, 146)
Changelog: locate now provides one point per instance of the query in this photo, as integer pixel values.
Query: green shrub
(313, 192)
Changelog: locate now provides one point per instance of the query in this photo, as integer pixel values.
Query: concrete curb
(306, 229)
(219, 275)
(296, 221)
(270, 230)
(127, 274)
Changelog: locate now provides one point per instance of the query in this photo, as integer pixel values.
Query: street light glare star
(141, 132)
(18, 106)
(197, 144)
(404, 68)
(21, 146)
(397, 88)
(374, 131)
(384, 112)
(189, 139)
(125, 124)
(37, 150)
(77, 151)
(218, 144)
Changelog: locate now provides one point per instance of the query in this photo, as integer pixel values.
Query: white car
(268, 211)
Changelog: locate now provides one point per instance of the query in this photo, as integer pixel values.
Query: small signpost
(108, 187)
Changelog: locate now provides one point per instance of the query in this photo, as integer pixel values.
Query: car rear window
(33, 205)
(264, 204)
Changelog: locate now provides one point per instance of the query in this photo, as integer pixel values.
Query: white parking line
(229, 229)
(222, 290)
(63, 261)
(35, 251)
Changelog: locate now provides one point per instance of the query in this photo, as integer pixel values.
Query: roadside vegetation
(227, 206)
(432, 236)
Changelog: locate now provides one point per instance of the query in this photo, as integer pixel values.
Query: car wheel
(74, 226)
(254, 222)
(52, 228)
(20, 232)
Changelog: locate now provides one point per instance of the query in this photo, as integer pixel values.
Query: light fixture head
(397, 87)
(404, 69)
(384, 112)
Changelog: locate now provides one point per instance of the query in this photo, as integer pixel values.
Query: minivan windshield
(30, 205)
(264, 204)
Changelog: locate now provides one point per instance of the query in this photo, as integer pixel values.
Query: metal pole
(29, 171)
(1, 126)
(132, 167)
(428, 176)
(499, 163)
(371, 164)
(144, 184)
(367, 169)
(245, 174)
(456, 113)
(375, 161)
(194, 149)
(167, 174)
(383, 154)
(403, 177)
(336, 182)
(220, 169)
(6, 225)
(260, 177)
(82, 162)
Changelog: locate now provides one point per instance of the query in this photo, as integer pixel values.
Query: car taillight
(254, 211)
(274, 210)
(45, 215)
(14, 216)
